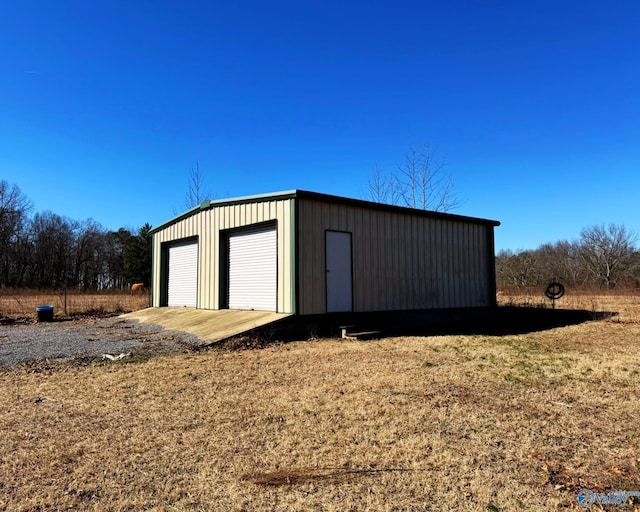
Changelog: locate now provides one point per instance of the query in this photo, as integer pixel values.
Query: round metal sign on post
(554, 291)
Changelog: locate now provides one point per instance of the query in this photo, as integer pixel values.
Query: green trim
(180, 217)
(293, 246)
(164, 275)
(223, 269)
(491, 271)
(153, 274)
(254, 198)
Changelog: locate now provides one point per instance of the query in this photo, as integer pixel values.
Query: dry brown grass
(473, 422)
(23, 303)
(626, 302)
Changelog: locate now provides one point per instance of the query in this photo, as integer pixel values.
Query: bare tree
(90, 255)
(52, 256)
(14, 222)
(560, 261)
(195, 193)
(607, 253)
(51, 251)
(419, 182)
(377, 189)
(604, 256)
(382, 188)
(518, 269)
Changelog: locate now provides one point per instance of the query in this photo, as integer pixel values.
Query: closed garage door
(183, 275)
(253, 270)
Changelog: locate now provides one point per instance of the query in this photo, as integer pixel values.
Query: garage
(253, 269)
(183, 274)
(304, 253)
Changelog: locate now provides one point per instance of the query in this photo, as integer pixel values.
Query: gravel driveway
(22, 342)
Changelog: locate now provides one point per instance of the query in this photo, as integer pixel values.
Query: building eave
(327, 198)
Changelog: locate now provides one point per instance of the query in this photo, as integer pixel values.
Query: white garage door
(253, 270)
(183, 274)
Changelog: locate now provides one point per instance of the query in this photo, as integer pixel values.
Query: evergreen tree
(137, 257)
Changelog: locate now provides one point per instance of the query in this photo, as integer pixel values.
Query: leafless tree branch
(195, 193)
(419, 182)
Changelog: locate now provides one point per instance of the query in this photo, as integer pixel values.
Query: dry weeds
(23, 303)
(473, 422)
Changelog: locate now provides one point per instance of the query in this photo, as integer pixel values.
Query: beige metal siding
(400, 261)
(206, 225)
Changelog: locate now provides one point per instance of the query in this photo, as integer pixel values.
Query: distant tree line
(47, 250)
(603, 257)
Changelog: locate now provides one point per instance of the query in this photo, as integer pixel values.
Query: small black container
(45, 313)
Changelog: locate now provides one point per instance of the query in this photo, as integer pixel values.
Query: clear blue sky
(535, 106)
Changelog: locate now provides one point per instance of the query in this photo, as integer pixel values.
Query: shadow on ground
(504, 321)
(520, 320)
(501, 321)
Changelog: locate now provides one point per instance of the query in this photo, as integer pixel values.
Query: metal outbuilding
(306, 253)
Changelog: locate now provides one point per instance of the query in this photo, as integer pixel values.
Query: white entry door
(253, 270)
(339, 279)
(183, 275)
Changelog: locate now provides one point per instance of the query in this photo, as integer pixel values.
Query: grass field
(23, 303)
(455, 422)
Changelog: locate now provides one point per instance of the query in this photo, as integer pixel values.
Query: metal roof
(327, 198)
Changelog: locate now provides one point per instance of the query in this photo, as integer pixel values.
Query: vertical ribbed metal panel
(253, 270)
(400, 260)
(207, 225)
(183, 275)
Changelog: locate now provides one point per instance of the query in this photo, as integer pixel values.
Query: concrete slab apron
(208, 325)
